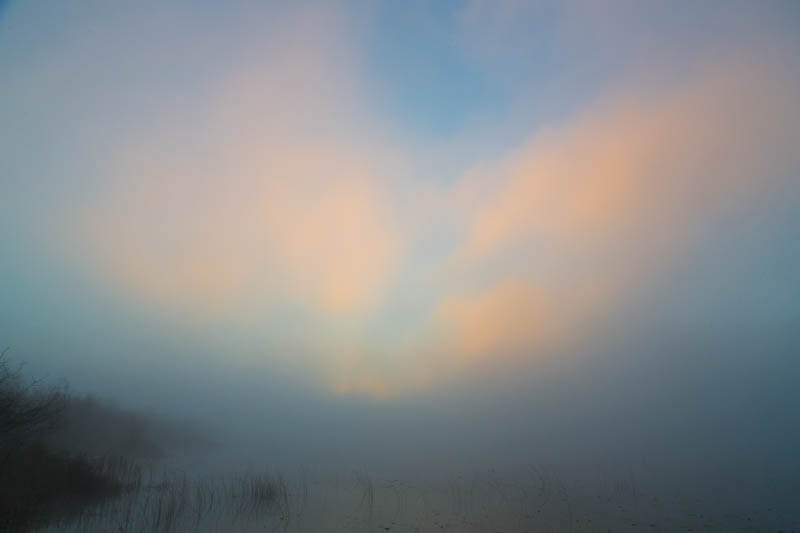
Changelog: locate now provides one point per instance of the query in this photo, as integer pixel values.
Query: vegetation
(25, 410)
(35, 480)
(62, 455)
(176, 503)
(74, 464)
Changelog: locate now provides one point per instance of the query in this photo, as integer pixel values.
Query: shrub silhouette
(63, 456)
(35, 481)
(26, 410)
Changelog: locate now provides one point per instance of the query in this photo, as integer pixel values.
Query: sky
(494, 223)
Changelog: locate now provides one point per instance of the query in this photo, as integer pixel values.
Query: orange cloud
(497, 321)
(328, 227)
(281, 204)
(586, 212)
(649, 158)
(267, 194)
(313, 227)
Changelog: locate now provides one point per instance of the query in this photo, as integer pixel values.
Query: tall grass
(37, 485)
(174, 502)
(63, 456)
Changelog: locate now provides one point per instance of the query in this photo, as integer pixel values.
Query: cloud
(312, 227)
(331, 235)
(509, 315)
(654, 159)
(262, 186)
(583, 215)
(268, 187)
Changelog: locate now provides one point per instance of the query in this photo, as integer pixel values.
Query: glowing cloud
(269, 187)
(509, 315)
(557, 232)
(653, 159)
(586, 211)
(272, 195)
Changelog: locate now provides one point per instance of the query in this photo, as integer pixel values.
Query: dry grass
(37, 485)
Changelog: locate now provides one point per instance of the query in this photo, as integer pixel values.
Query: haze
(415, 237)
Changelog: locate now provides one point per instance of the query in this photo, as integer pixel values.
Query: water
(530, 499)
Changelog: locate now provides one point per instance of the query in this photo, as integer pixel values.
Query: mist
(547, 247)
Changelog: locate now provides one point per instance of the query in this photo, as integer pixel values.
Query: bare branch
(25, 409)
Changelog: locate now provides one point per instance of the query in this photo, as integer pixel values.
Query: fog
(419, 243)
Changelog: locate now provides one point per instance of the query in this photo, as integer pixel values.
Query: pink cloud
(657, 156)
(268, 188)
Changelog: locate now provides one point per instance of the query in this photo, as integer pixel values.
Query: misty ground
(78, 463)
(531, 499)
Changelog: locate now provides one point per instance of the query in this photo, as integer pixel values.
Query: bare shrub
(26, 409)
